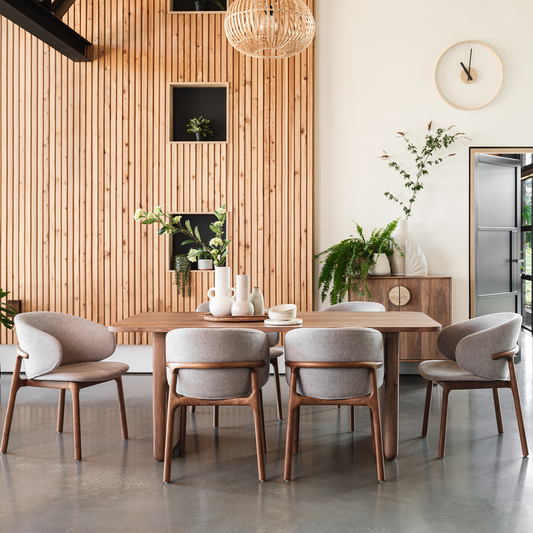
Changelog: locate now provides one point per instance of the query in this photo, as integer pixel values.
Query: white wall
(375, 65)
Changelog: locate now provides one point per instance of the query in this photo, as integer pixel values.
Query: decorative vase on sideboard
(397, 262)
(382, 266)
(242, 305)
(220, 298)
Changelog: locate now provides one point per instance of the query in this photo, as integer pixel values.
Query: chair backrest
(273, 338)
(355, 306)
(216, 345)
(56, 339)
(472, 343)
(334, 345)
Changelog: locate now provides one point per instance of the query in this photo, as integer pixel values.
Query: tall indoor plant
(347, 264)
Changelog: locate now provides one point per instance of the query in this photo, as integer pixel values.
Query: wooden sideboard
(428, 294)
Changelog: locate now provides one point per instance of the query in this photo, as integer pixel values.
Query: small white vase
(242, 305)
(205, 264)
(400, 236)
(382, 266)
(257, 301)
(220, 295)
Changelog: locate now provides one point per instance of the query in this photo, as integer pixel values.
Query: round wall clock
(469, 75)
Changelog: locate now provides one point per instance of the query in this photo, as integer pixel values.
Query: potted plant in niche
(200, 5)
(205, 261)
(200, 127)
(348, 263)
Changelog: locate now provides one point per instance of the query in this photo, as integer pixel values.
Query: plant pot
(382, 266)
(205, 264)
(200, 6)
(199, 136)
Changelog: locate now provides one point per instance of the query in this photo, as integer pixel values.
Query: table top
(386, 321)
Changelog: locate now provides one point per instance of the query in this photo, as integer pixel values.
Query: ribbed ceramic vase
(397, 262)
(257, 301)
(220, 297)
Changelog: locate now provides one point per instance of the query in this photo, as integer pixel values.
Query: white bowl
(282, 312)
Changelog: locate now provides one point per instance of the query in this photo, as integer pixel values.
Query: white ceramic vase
(242, 305)
(382, 266)
(397, 262)
(220, 297)
(257, 301)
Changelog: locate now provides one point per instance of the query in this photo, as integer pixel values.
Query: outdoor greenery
(182, 274)
(6, 312)
(217, 248)
(424, 158)
(346, 264)
(200, 125)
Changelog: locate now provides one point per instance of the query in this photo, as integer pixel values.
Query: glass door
(526, 267)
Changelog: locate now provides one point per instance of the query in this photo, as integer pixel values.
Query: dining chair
(354, 307)
(479, 355)
(275, 352)
(226, 366)
(330, 367)
(63, 352)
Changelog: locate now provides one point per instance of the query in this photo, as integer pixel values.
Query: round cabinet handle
(399, 296)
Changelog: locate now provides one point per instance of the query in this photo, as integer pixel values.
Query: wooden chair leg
(518, 409)
(497, 410)
(427, 407)
(289, 440)
(296, 433)
(259, 438)
(372, 431)
(352, 418)
(274, 363)
(61, 410)
(75, 390)
(261, 405)
(171, 411)
(183, 430)
(122, 405)
(15, 386)
(215, 416)
(193, 409)
(443, 419)
(377, 442)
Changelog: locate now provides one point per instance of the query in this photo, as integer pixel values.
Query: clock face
(469, 75)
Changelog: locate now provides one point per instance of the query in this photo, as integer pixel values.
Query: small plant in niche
(182, 274)
(200, 127)
(442, 138)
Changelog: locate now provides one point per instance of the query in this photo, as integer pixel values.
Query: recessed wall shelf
(200, 220)
(192, 100)
(187, 6)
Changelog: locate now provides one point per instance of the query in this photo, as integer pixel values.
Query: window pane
(526, 253)
(526, 303)
(526, 201)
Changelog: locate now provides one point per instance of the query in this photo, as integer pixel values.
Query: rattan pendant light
(269, 29)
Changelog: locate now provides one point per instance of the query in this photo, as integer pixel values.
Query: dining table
(389, 323)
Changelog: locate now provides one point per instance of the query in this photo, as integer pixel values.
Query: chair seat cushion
(86, 372)
(276, 352)
(447, 371)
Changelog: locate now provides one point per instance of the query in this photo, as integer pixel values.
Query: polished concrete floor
(483, 485)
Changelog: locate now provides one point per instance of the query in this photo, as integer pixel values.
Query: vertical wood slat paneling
(84, 145)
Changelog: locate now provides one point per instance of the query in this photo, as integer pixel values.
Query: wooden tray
(229, 318)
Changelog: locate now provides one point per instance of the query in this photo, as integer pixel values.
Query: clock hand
(466, 70)
(470, 62)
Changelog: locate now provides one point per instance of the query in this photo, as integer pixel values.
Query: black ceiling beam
(60, 7)
(38, 21)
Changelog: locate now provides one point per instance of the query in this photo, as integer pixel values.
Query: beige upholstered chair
(275, 353)
(63, 352)
(479, 355)
(331, 367)
(216, 367)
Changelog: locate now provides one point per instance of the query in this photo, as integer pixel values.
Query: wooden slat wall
(82, 146)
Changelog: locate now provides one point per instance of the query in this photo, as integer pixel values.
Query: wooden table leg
(159, 394)
(390, 405)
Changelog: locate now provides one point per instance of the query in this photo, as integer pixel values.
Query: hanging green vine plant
(182, 274)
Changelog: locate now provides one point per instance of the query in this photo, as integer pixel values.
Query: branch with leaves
(424, 158)
(6, 312)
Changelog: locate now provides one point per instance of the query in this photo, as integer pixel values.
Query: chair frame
(448, 386)
(296, 400)
(175, 400)
(74, 388)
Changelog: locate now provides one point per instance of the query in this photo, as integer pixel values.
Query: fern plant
(346, 264)
(182, 274)
(6, 312)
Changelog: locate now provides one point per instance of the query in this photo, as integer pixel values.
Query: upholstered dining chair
(226, 366)
(64, 352)
(275, 352)
(355, 307)
(331, 367)
(479, 355)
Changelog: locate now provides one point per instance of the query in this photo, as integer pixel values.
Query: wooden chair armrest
(22, 353)
(212, 366)
(326, 364)
(507, 355)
